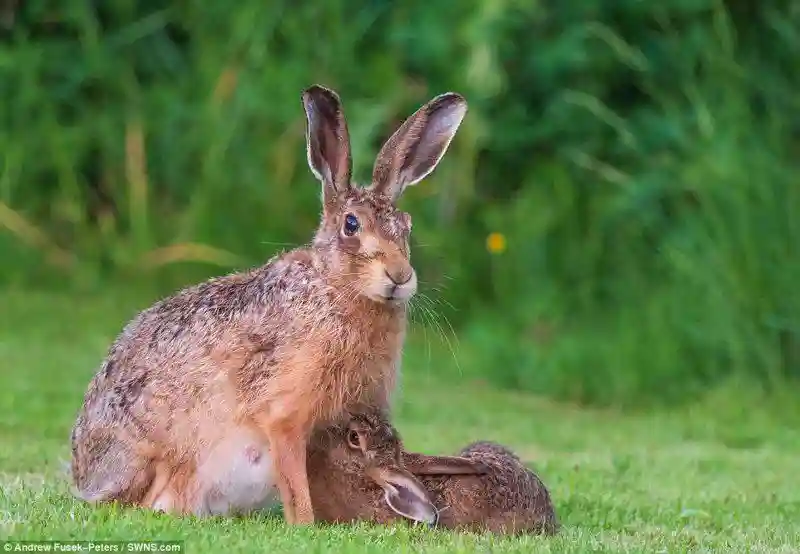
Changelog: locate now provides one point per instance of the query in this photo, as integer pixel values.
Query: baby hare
(359, 470)
(207, 399)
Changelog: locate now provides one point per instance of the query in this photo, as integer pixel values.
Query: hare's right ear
(405, 495)
(415, 149)
(420, 464)
(327, 141)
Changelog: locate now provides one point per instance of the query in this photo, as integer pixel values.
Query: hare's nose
(398, 280)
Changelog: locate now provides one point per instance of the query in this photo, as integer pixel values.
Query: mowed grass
(717, 476)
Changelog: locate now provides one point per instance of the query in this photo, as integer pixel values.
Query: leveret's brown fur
(485, 488)
(269, 354)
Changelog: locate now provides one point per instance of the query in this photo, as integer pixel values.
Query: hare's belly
(237, 476)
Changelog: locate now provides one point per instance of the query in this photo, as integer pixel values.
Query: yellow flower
(496, 243)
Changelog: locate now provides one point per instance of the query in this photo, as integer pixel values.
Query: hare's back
(181, 331)
(175, 348)
(513, 486)
(489, 450)
(507, 480)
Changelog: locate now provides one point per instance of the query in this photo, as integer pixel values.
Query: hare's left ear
(415, 149)
(327, 141)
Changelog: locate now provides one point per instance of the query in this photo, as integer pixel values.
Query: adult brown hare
(360, 471)
(253, 362)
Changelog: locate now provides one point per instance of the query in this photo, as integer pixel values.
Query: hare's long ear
(405, 495)
(420, 464)
(415, 149)
(327, 141)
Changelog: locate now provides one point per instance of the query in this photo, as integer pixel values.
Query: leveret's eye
(352, 440)
(351, 225)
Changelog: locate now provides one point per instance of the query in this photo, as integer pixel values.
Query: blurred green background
(617, 221)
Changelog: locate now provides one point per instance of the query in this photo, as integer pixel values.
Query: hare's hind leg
(173, 491)
(106, 469)
(159, 496)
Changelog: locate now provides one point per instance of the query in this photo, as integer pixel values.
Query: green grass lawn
(716, 476)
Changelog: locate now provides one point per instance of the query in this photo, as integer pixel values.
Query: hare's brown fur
(485, 488)
(257, 360)
(509, 498)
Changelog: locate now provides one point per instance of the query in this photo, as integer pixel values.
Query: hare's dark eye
(352, 440)
(351, 225)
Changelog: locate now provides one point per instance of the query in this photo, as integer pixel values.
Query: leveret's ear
(327, 141)
(420, 464)
(405, 495)
(415, 149)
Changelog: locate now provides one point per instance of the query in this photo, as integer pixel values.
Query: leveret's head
(366, 448)
(362, 234)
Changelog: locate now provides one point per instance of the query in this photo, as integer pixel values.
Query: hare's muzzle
(401, 285)
(392, 282)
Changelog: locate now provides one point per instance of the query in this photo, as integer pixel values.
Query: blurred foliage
(618, 218)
